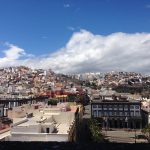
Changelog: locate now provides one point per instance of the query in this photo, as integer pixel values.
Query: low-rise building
(45, 123)
(5, 123)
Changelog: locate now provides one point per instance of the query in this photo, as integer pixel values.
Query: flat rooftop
(115, 101)
(62, 128)
(28, 123)
(17, 121)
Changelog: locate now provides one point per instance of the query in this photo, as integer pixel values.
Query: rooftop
(45, 123)
(115, 101)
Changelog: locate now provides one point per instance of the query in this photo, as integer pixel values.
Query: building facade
(1, 110)
(145, 117)
(120, 113)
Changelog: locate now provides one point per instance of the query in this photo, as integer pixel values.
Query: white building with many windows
(117, 112)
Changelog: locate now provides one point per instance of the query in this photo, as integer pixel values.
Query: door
(47, 130)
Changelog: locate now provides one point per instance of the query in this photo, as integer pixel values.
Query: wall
(1, 111)
(16, 114)
(39, 137)
(45, 126)
(51, 111)
(49, 118)
(20, 122)
(64, 118)
(148, 118)
(24, 129)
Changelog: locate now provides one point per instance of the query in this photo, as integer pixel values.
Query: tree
(146, 132)
(94, 85)
(52, 102)
(96, 131)
(72, 97)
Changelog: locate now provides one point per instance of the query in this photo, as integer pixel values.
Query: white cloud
(71, 28)
(86, 52)
(66, 5)
(44, 37)
(148, 6)
(12, 55)
(13, 52)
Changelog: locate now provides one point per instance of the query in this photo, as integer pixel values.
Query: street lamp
(126, 121)
(106, 121)
(105, 124)
(135, 131)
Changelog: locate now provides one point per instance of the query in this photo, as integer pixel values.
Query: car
(141, 136)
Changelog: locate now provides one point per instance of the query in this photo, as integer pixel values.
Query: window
(126, 113)
(115, 113)
(105, 113)
(125, 107)
(132, 113)
(121, 113)
(99, 106)
(104, 107)
(110, 107)
(120, 107)
(95, 113)
(94, 106)
(99, 113)
(110, 113)
(115, 107)
(137, 113)
(132, 107)
(137, 107)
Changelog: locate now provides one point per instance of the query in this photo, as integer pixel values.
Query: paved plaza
(123, 136)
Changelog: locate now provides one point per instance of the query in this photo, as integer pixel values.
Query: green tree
(52, 102)
(146, 132)
(96, 131)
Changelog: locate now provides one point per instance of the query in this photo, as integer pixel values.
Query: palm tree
(146, 132)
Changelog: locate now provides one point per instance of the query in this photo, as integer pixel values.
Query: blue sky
(42, 27)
